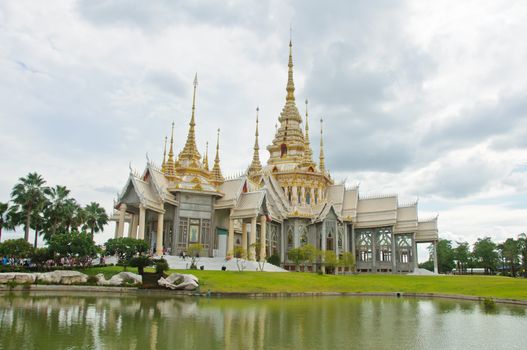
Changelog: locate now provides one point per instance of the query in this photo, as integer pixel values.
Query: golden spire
(256, 166)
(322, 158)
(164, 164)
(290, 84)
(206, 157)
(308, 153)
(190, 151)
(217, 177)
(170, 166)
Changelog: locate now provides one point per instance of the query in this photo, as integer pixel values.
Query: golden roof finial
(170, 165)
(190, 151)
(308, 153)
(206, 157)
(164, 163)
(256, 166)
(322, 158)
(290, 84)
(217, 177)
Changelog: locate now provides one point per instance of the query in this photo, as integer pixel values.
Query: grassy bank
(261, 282)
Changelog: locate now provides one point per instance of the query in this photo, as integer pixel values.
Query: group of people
(10, 261)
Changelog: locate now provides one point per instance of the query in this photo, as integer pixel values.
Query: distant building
(290, 202)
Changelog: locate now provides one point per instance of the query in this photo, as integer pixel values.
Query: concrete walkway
(176, 262)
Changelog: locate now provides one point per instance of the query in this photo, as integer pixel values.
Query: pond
(59, 321)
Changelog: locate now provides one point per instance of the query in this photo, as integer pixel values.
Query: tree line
(48, 211)
(508, 258)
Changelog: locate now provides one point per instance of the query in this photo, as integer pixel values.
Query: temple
(289, 202)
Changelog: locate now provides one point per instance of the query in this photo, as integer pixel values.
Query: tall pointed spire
(164, 163)
(322, 158)
(170, 165)
(206, 157)
(190, 151)
(256, 166)
(290, 88)
(217, 177)
(308, 153)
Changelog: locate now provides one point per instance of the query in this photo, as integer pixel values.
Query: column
(263, 237)
(416, 260)
(159, 238)
(294, 196)
(282, 244)
(320, 194)
(312, 195)
(353, 243)
(142, 219)
(374, 250)
(244, 240)
(323, 244)
(135, 221)
(116, 229)
(122, 212)
(303, 195)
(436, 270)
(230, 238)
(393, 255)
(252, 239)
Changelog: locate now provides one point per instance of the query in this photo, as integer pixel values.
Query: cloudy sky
(425, 99)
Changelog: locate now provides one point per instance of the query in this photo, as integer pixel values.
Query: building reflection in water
(152, 322)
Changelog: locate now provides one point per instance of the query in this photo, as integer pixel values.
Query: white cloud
(424, 99)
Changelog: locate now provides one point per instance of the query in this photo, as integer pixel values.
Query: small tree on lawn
(260, 260)
(141, 261)
(348, 260)
(40, 257)
(308, 254)
(126, 248)
(330, 260)
(194, 251)
(239, 255)
(296, 256)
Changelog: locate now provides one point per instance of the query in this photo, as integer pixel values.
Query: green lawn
(256, 282)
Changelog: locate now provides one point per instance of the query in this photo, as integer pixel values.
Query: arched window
(283, 150)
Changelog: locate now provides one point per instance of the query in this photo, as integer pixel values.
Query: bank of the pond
(261, 284)
(298, 282)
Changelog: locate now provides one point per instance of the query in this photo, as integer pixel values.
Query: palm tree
(95, 217)
(3, 217)
(56, 210)
(27, 194)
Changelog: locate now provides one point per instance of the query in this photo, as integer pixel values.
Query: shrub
(141, 262)
(126, 248)
(161, 266)
(16, 248)
(274, 259)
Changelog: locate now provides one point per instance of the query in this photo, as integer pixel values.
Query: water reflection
(153, 322)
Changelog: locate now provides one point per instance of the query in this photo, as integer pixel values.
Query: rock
(179, 281)
(63, 277)
(6, 277)
(23, 277)
(119, 279)
(17, 277)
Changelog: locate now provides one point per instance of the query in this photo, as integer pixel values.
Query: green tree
(240, 254)
(95, 218)
(510, 252)
(16, 248)
(194, 251)
(5, 221)
(55, 212)
(522, 247)
(308, 254)
(126, 248)
(445, 255)
(296, 256)
(78, 246)
(348, 260)
(40, 256)
(485, 253)
(462, 256)
(26, 194)
(329, 261)
(141, 262)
